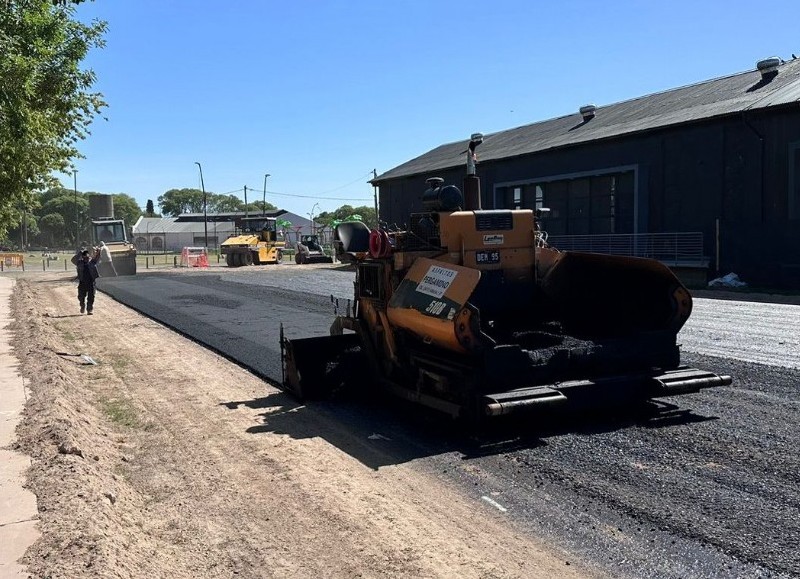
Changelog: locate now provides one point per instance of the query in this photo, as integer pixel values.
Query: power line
(320, 195)
(347, 185)
(310, 196)
(317, 196)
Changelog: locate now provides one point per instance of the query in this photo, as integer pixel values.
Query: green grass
(120, 411)
(119, 365)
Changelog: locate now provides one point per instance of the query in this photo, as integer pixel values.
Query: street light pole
(75, 189)
(264, 202)
(205, 205)
(313, 227)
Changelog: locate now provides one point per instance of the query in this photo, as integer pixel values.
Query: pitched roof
(701, 101)
(230, 216)
(163, 225)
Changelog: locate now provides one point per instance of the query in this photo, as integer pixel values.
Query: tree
(224, 204)
(14, 236)
(67, 206)
(52, 227)
(126, 208)
(149, 210)
(51, 193)
(231, 204)
(46, 105)
(261, 207)
(177, 201)
(257, 207)
(367, 215)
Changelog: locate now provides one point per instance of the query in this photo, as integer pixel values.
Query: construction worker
(87, 273)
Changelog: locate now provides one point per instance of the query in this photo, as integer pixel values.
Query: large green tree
(127, 209)
(363, 213)
(258, 207)
(57, 209)
(46, 103)
(224, 203)
(177, 201)
(53, 229)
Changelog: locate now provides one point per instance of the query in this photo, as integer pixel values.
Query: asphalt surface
(702, 485)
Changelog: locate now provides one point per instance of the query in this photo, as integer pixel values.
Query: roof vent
(587, 112)
(768, 67)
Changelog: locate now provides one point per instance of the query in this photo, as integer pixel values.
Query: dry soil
(151, 463)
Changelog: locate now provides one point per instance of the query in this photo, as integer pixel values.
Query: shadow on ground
(380, 432)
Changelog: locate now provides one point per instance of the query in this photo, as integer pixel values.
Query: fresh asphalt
(703, 485)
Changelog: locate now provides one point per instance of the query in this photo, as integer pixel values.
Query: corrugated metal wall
(736, 169)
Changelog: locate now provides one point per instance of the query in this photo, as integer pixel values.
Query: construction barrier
(194, 257)
(12, 260)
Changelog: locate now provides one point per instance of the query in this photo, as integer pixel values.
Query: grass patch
(66, 334)
(120, 411)
(119, 365)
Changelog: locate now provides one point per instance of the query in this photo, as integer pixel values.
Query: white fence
(685, 248)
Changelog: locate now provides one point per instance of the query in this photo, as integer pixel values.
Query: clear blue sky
(317, 93)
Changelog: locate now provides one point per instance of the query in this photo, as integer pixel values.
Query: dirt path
(152, 464)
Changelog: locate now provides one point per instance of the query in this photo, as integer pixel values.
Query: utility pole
(245, 202)
(77, 227)
(375, 195)
(205, 206)
(264, 202)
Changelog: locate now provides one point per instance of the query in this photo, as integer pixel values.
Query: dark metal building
(713, 167)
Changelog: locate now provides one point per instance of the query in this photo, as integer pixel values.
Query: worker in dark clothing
(87, 273)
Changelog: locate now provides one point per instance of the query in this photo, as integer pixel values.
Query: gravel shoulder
(156, 462)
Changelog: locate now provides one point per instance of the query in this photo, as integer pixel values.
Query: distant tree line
(177, 201)
(364, 213)
(51, 222)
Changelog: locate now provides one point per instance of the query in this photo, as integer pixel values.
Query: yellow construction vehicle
(118, 256)
(470, 312)
(256, 242)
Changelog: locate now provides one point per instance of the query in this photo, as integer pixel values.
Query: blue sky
(318, 93)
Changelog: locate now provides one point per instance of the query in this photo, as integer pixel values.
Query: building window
(613, 196)
(794, 181)
(599, 204)
(603, 203)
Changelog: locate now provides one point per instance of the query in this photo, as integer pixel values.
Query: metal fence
(684, 248)
(12, 260)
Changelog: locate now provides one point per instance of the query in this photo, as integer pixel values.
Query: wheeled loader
(256, 242)
(470, 312)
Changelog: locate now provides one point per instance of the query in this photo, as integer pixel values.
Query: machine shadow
(652, 414)
(379, 432)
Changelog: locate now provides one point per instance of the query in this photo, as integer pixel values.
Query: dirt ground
(144, 467)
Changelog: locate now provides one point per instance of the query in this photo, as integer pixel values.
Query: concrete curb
(747, 296)
(18, 512)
